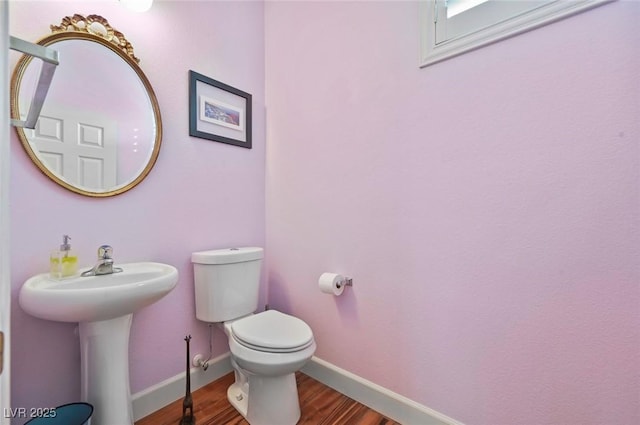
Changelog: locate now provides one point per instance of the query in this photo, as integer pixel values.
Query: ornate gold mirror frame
(95, 29)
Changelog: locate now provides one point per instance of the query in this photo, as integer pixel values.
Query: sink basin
(95, 298)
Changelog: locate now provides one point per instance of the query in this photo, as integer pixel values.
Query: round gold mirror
(100, 130)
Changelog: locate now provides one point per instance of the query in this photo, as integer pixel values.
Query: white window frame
(433, 17)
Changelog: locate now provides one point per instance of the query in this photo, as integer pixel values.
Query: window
(451, 27)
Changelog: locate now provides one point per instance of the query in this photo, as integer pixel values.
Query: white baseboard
(390, 404)
(158, 396)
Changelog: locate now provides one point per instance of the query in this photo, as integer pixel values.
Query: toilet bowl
(267, 348)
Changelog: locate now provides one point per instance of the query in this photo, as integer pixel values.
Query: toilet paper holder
(347, 281)
(333, 283)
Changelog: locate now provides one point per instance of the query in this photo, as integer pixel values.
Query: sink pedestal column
(104, 355)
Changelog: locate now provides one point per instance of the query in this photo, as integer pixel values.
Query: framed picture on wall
(218, 111)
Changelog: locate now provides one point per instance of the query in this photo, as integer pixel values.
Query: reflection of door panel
(80, 147)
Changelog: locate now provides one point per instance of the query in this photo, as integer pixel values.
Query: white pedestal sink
(103, 306)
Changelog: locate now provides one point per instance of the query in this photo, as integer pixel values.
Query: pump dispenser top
(66, 246)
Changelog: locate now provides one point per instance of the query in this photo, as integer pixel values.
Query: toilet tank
(227, 283)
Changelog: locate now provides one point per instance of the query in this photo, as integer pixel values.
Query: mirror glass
(99, 132)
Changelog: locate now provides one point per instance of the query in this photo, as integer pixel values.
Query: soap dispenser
(63, 261)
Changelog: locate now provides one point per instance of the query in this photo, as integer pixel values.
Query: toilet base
(238, 398)
(266, 400)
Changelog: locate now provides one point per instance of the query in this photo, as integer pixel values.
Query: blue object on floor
(67, 414)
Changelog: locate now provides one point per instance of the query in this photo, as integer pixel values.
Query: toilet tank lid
(227, 255)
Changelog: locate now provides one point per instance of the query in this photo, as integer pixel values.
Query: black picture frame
(218, 111)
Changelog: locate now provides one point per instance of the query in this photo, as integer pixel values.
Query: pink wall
(200, 194)
(487, 208)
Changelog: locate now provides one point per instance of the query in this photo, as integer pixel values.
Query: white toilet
(267, 348)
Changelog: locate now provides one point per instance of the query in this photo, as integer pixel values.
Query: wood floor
(320, 405)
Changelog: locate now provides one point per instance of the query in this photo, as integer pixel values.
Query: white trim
(431, 53)
(166, 392)
(5, 258)
(390, 404)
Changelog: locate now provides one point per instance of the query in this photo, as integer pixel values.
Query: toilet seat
(272, 331)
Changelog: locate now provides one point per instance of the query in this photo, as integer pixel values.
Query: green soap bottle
(63, 262)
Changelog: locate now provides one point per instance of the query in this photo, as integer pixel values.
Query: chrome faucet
(105, 263)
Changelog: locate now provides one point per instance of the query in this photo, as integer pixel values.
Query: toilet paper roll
(331, 283)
